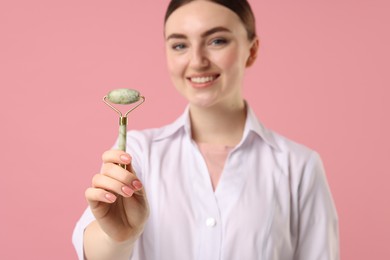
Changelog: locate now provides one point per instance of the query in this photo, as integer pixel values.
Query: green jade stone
(123, 96)
(122, 138)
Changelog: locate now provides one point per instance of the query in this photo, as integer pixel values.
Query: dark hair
(239, 7)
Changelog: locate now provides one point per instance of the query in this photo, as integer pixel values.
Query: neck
(222, 125)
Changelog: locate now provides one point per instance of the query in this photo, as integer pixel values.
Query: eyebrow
(205, 34)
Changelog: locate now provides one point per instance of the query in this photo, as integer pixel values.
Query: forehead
(202, 15)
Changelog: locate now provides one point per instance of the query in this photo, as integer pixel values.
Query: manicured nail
(125, 158)
(137, 184)
(110, 197)
(127, 190)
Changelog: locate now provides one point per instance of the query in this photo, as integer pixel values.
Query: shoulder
(280, 144)
(141, 142)
(295, 153)
(291, 147)
(290, 156)
(150, 135)
(301, 163)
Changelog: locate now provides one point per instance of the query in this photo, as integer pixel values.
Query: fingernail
(137, 184)
(127, 190)
(110, 197)
(125, 158)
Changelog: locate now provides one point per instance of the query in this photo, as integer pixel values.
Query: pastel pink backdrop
(321, 79)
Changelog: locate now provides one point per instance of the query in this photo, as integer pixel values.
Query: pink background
(322, 79)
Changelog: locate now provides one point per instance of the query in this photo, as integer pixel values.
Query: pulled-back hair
(239, 7)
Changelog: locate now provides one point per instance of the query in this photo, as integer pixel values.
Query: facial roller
(123, 96)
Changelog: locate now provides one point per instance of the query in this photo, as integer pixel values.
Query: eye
(178, 46)
(219, 42)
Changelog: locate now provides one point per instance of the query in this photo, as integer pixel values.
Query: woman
(215, 184)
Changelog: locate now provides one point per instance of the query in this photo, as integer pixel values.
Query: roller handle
(122, 136)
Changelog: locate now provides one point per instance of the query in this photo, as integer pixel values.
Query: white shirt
(271, 203)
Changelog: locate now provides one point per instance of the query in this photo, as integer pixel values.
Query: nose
(199, 59)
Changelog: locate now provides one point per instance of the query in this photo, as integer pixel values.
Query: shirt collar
(252, 125)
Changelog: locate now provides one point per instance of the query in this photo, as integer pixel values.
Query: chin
(203, 103)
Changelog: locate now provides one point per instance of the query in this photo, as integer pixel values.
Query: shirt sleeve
(318, 221)
(78, 232)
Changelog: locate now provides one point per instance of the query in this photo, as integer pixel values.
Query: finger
(116, 172)
(131, 169)
(116, 156)
(113, 167)
(95, 196)
(109, 184)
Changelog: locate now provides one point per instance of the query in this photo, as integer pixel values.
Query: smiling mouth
(203, 80)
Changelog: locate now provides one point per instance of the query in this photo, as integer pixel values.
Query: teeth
(202, 79)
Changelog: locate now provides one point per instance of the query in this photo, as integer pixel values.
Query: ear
(253, 52)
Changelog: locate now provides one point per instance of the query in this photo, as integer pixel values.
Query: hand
(117, 198)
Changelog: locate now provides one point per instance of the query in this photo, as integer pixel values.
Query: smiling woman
(214, 184)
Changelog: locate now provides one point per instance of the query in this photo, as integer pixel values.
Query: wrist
(99, 245)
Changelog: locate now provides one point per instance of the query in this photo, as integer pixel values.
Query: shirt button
(211, 222)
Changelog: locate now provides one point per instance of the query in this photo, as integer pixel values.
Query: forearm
(97, 245)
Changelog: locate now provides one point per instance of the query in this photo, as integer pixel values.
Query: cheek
(175, 65)
(176, 70)
(230, 60)
(170, 66)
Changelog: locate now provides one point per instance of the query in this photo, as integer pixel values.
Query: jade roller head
(123, 96)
